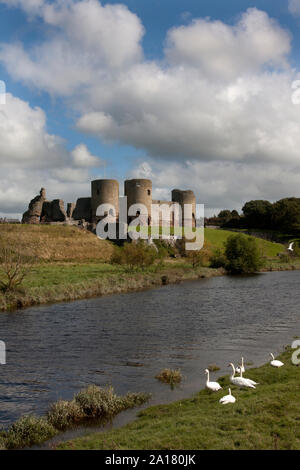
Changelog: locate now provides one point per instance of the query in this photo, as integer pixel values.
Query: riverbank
(53, 283)
(265, 418)
(72, 264)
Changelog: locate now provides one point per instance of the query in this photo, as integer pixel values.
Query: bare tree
(14, 265)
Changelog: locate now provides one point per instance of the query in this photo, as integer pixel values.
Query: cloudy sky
(196, 95)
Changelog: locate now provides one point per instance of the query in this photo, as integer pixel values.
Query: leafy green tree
(286, 215)
(224, 216)
(258, 214)
(242, 254)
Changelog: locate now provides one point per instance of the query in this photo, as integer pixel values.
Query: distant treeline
(283, 216)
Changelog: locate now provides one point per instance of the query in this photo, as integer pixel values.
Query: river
(124, 340)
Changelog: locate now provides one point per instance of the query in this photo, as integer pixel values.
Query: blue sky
(142, 116)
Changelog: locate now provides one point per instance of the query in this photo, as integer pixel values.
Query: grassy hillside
(265, 418)
(217, 238)
(57, 243)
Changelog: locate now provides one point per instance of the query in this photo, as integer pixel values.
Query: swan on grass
(240, 382)
(290, 248)
(227, 399)
(212, 386)
(241, 368)
(251, 381)
(275, 362)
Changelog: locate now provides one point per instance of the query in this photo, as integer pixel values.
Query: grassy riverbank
(68, 282)
(265, 418)
(72, 264)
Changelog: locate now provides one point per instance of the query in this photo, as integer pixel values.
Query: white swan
(290, 248)
(275, 363)
(213, 386)
(227, 399)
(251, 381)
(240, 381)
(241, 368)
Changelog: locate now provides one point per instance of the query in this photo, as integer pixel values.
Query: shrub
(200, 257)
(135, 255)
(169, 376)
(63, 414)
(242, 254)
(27, 431)
(197, 257)
(218, 259)
(165, 248)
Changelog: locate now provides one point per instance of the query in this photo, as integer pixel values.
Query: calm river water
(54, 351)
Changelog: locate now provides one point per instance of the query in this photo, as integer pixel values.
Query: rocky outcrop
(35, 208)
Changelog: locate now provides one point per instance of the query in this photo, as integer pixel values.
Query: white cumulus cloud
(30, 157)
(214, 114)
(217, 49)
(86, 39)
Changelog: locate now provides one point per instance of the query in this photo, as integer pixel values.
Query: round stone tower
(104, 192)
(139, 191)
(186, 197)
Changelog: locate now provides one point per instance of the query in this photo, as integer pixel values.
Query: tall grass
(169, 376)
(91, 403)
(27, 431)
(56, 243)
(97, 402)
(64, 414)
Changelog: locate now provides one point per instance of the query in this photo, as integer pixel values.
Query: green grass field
(59, 282)
(217, 238)
(265, 418)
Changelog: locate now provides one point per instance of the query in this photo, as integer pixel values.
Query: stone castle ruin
(104, 191)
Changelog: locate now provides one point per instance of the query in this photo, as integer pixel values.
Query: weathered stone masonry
(83, 212)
